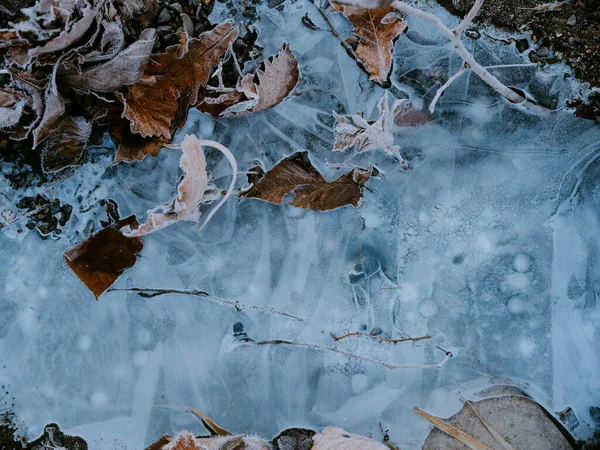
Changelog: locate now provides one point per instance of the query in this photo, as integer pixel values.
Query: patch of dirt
(570, 33)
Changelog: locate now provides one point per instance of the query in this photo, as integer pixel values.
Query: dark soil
(10, 438)
(570, 33)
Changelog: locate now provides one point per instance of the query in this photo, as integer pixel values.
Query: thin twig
(379, 339)
(389, 365)
(150, 293)
(236, 64)
(443, 87)
(469, 60)
(468, 18)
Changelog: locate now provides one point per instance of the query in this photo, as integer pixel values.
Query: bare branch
(351, 355)
(468, 18)
(150, 293)
(443, 87)
(379, 339)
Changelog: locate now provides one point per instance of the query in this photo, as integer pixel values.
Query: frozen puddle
(489, 244)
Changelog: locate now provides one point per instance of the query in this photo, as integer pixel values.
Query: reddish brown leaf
(296, 174)
(133, 147)
(376, 39)
(172, 79)
(101, 259)
(259, 92)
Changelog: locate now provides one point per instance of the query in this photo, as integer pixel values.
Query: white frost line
(468, 18)
(443, 87)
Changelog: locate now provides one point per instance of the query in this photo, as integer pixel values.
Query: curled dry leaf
(274, 84)
(294, 439)
(375, 37)
(296, 174)
(123, 70)
(187, 441)
(66, 144)
(54, 110)
(101, 259)
(190, 191)
(362, 135)
(11, 107)
(333, 438)
(172, 79)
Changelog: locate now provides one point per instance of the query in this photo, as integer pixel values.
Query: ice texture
(489, 244)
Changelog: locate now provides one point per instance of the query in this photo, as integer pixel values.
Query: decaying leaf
(123, 70)
(333, 438)
(296, 174)
(362, 135)
(66, 144)
(11, 107)
(133, 147)
(54, 110)
(294, 439)
(172, 79)
(187, 441)
(101, 259)
(193, 190)
(209, 424)
(254, 93)
(375, 37)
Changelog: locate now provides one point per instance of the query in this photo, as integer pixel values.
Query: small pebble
(176, 7)
(572, 21)
(164, 16)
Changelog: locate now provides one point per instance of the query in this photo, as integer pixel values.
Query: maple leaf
(66, 144)
(257, 92)
(172, 79)
(375, 37)
(362, 135)
(296, 174)
(101, 259)
(333, 438)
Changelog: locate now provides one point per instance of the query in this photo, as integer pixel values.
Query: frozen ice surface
(489, 244)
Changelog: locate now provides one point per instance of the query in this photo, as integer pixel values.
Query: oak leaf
(333, 438)
(296, 174)
(362, 135)
(375, 37)
(66, 144)
(101, 259)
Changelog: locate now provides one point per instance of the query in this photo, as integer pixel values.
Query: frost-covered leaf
(296, 174)
(101, 259)
(262, 91)
(133, 147)
(73, 30)
(187, 441)
(145, 10)
(124, 69)
(294, 439)
(183, 441)
(66, 144)
(375, 37)
(191, 189)
(333, 438)
(11, 107)
(172, 79)
(362, 135)
(112, 41)
(54, 110)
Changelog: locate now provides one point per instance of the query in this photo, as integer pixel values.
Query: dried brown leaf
(208, 423)
(66, 144)
(296, 174)
(294, 439)
(124, 69)
(375, 38)
(11, 107)
(275, 83)
(457, 434)
(172, 80)
(183, 441)
(101, 259)
(333, 438)
(54, 110)
(133, 147)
